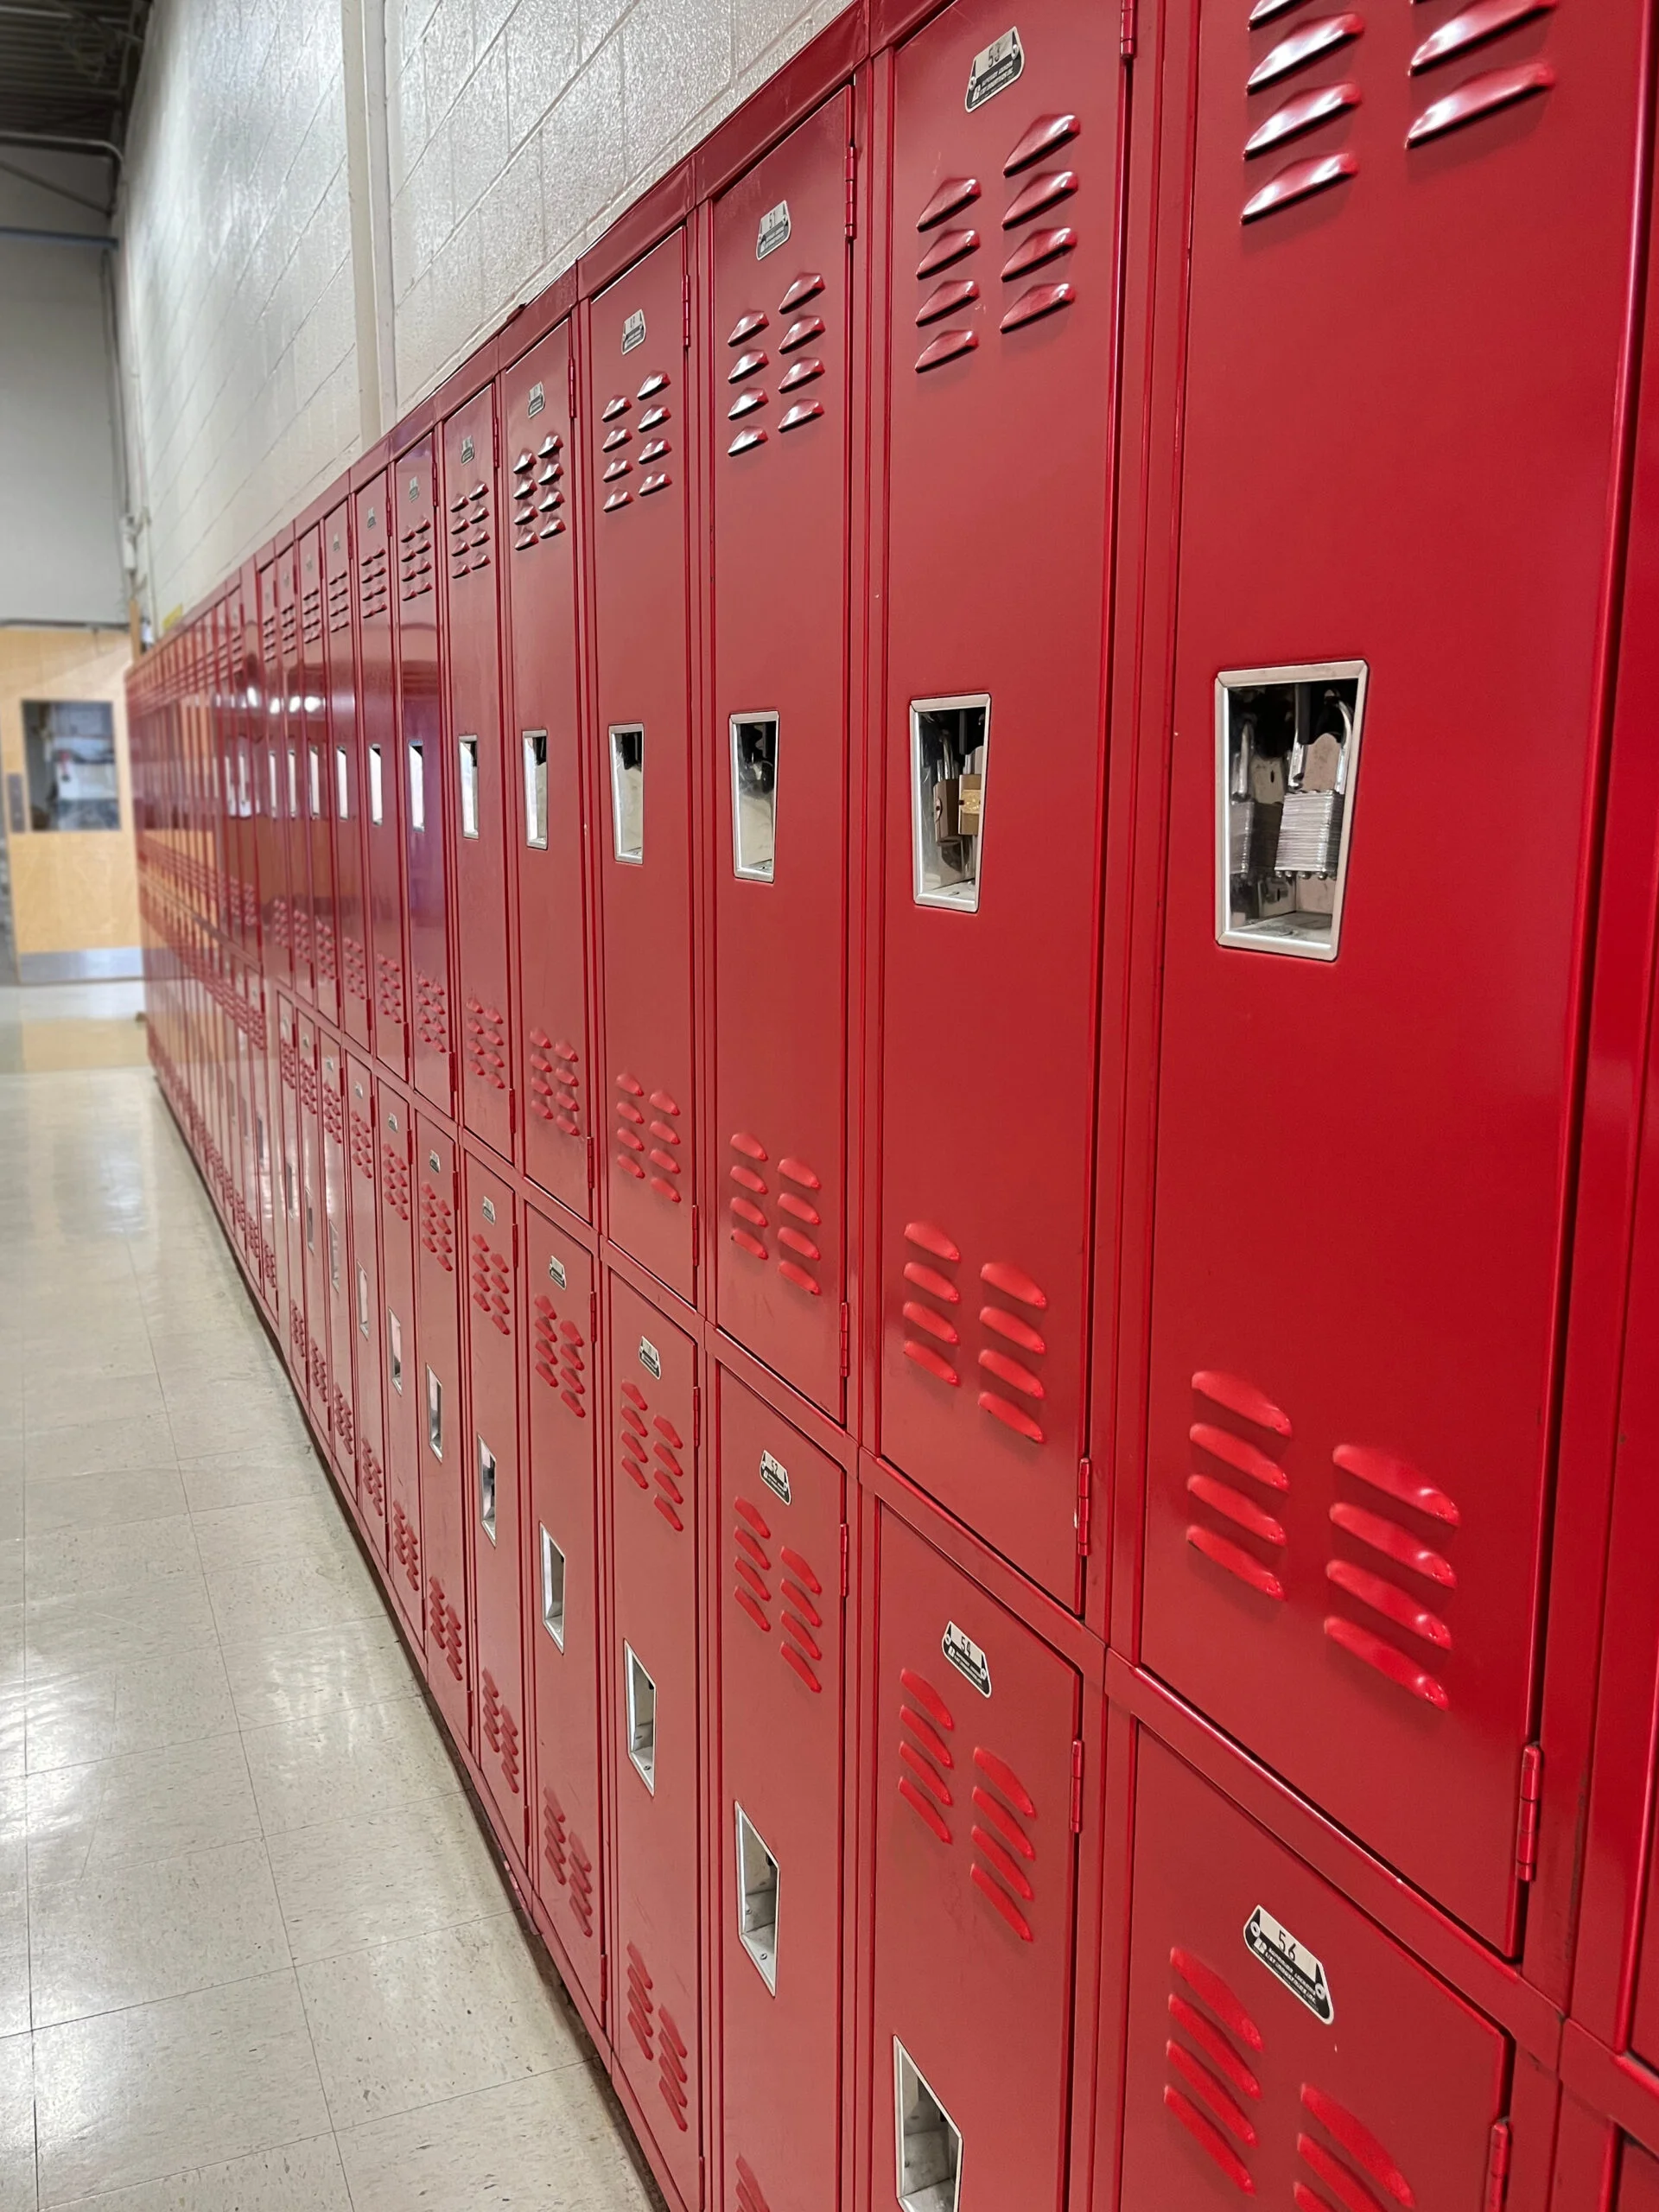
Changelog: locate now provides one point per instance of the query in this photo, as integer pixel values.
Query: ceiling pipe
(56, 237)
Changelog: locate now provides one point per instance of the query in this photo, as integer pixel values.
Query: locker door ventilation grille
(1248, 1441)
(340, 601)
(648, 1138)
(956, 301)
(1000, 1813)
(582, 1886)
(642, 2006)
(538, 495)
(555, 1842)
(394, 1176)
(553, 1081)
(373, 589)
(491, 1277)
(323, 938)
(344, 1428)
(438, 1227)
(469, 531)
(1415, 1537)
(500, 1729)
(414, 561)
(611, 465)
(799, 1593)
(486, 1043)
(354, 969)
(372, 1478)
(1011, 1348)
(363, 1147)
(389, 997)
(333, 1115)
(291, 628)
(311, 616)
(670, 2071)
(750, 2196)
(556, 1355)
(1212, 2059)
(1376, 2164)
(443, 1625)
(799, 1196)
(406, 1546)
(647, 1445)
(431, 1013)
(798, 370)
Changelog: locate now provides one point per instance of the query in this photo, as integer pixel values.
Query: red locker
(445, 1477)
(290, 1241)
(1346, 1476)
(275, 918)
(654, 1509)
(638, 429)
(999, 398)
(248, 768)
(343, 779)
(405, 1401)
(314, 1225)
(426, 789)
(783, 1539)
(495, 1489)
(563, 1559)
(365, 1327)
(546, 812)
(476, 769)
(317, 784)
(336, 1258)
(973, 1948)
(382, 784)
(781, 341)
(1279, 2044)
(263, 1086)
(297, 830)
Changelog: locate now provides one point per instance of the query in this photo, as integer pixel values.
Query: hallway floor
(254, 1954)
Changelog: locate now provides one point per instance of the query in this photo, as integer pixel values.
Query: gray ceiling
(67, 67)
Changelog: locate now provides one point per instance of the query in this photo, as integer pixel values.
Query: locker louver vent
(415, 560)
(437, 1227)
(804, 369)
(751, 1562)
(318, 1371)
(311, 616)
(289, 633)
(555, 1355)
(443, 1626)
(491, 1284)
(323, 940)
(555, 1847)
(642, 2007)
(340, 601)
(389, 989)
(648, 1141)
(469, 531)
(432, 1014)
(486, 1043)
(613, 471)
(799, 1194)
(1378, 2169)
(1010, 1358)
(279, 922)
(648, 1445)
(406, 1546)
(925, 1721)
(1414, 1535)
(501, 1729)
(354, 969)
(1490, 91)
(553, 1081)
(394, 1174)
(342, 1421)
(1312, 41)
(671, 2072)
(309, 1089)
(333, 1115)
(582, 1886)
(1211, 2060)
(1249, 1444)
(373, 589)
(538, 495)
(363, 1146)
(300, 923)
(372, 1475)
(749, 2195)
(1005, 1854)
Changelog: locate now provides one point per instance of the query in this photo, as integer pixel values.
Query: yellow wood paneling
(71, 890)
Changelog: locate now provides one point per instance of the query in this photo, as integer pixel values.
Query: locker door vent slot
(757, 1900)
(929, 2142)
(754, 795)
(536, 789)
(750, 2196)
(1208, 2072)
(628, 790)
(552, 1589)
(1286, 763)
(948, 741)
(487, 1489)
(642, 1720)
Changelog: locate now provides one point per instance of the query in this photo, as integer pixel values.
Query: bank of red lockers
(915, 959)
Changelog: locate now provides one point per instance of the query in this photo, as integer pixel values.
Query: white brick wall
(516, 135)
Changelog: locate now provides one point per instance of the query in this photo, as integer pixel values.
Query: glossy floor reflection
(254, 1954)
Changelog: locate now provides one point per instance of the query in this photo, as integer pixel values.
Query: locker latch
(1076, 1787)
(1497, 2167)
(1526, 1833)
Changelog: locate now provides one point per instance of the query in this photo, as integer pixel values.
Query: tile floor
(254, 1954)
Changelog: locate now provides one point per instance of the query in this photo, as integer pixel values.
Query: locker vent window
(377, 793)
(628, 790)
(487, 1489)
(536, 789)
(552, 1589)
(468, 749)
(757, 1900)
(929, 2142)
(1286, 760)
(949, 738)
(642, 1720)
(434, 1414)
(754, 795)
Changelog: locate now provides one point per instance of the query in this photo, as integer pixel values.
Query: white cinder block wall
(514, 136)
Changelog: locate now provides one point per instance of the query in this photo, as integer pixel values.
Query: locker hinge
(495, 439)
(852, 190)
(1076, 1787)
(604, 1980)
(1086, 1490)
(1526, 1831)
(685, 312)
(593, 1318)
(590, 1163)
(1126, 32)
(1498, 2168)
(570, 365)
(846, 1336)
(846, 1560)
(696, 1416)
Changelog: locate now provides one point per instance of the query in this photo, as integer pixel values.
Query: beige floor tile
(348, 1884)
(101, 1447)
(73, 1562)
(80, 1633)
(58, 1501)
(301, 1679)
(51, 1401)
(130, 2096)
(14, 1935)
(149, 1805)
(310, 1528)
(251, 1475)
(178, 1696)
(385, 2020)
(348, 1764)
(300, 2177)
(275, 1596)
(17, 2191)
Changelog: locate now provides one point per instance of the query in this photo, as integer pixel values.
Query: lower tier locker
(1279, 2044)
(563, 1535)
(782, 1539)
(405, 1410)
(443, 1434)
(496, 1493)
(976, 1748)
(336, 1244)
(261, 1096)
(313, 1225)
(657, 1691)
(285, 1104)
(364, 1306)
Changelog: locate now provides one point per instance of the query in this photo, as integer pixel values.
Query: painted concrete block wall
(515, 135)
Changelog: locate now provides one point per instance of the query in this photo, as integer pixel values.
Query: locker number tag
(966, 1657)
(489, 1208)
(995, 69)
(537, 399)
(773, 231)
(555, 1272)
(467, 447)
(776, 1477)
(651, 1359)
(1302, 1974)
(634, 330)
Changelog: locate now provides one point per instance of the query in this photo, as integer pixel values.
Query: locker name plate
(995, 69)
(1302, 1974)
(775, 1476)
(634, 330)
(537, 399)
(773, 231)
(651, 1359)
(966, 1657)
(555, 1272)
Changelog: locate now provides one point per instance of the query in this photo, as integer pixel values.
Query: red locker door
(285, 1105)
(1638, 2181)
(639, 409)
(314, 1224)
(296, 831)
(343, 776)
(546, 814)
(426, 789)
(336, 1260)
(1346, 1475)
(495, 1492)
(382, 787)
(276, 919)
(1279, 2044)
(1003, 335)
(779, 1811)
(444, 1473)
(564, 1581)
(405, 1402)
(264, 1086)
(316, 795)
(782, 298)
(364, 1309)
(654, 1653)
(476, 769)
(248, 768)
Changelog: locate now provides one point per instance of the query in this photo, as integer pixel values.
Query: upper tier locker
(426, 788)
(546, 814)
(275, 931)
(291, 775)
(476, 768)
(345, 779)
(1004, 167)
(241, 863)
(638, 429)
(1364, 1116)
(383, 811)
(779, 488)
(316, 797)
